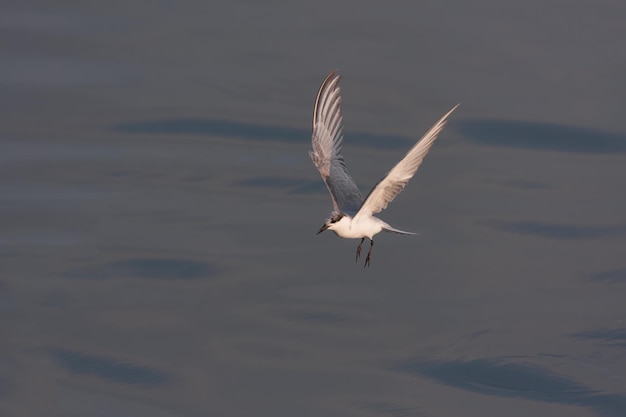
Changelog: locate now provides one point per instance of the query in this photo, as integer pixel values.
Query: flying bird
(353, 216)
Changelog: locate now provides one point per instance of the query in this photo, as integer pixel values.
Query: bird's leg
(358, 250)
(369, 254)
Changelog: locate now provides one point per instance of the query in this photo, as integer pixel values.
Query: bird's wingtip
(443, 119)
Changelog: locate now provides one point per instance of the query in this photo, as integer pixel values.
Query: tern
(352, 216)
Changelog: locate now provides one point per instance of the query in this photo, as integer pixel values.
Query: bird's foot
(369, 255)
(358, 250)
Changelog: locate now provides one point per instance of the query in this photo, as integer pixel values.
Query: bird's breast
(350, 229)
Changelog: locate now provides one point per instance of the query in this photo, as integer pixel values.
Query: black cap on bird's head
(334, 218)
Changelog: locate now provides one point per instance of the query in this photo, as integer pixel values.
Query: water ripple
(256, 132)
(106, 368)
(541, 136)
(614, 276)
(158, 268)
(498, 378)
(556, 230)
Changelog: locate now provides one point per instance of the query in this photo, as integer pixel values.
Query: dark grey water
(158, 254)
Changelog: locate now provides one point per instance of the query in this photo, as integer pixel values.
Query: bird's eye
(335, 219)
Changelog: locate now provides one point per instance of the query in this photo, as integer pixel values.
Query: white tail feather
(394, 230)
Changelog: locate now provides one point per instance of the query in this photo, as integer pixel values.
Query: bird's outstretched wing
(390, 186)
(327, 140)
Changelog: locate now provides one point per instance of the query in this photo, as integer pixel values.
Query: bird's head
(331, 221)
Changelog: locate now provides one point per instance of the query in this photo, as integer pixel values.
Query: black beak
(322, 229)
